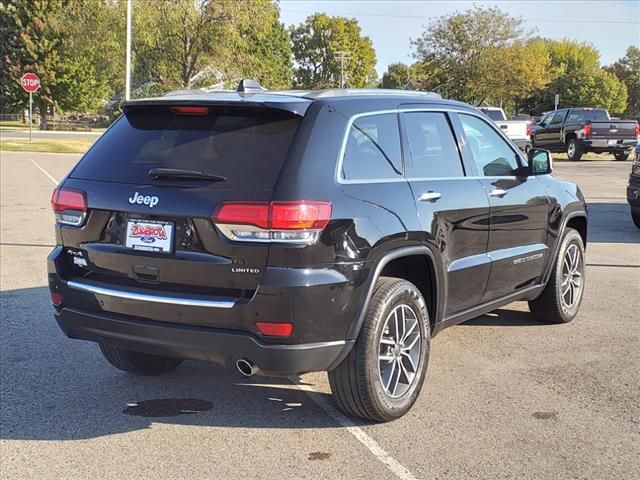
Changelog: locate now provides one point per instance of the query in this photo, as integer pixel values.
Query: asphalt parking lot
(505, 397)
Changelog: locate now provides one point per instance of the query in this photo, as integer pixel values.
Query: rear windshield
(588, 115)
(248, 146)
(495, 115)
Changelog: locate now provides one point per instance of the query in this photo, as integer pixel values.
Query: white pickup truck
(519, 131)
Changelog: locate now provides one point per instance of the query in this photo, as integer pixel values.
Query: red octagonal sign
(30, 82)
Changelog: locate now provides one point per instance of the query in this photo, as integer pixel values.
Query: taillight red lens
(289, 222)
(56, 298)
(273, 329)
(67, 199)
(586, 129)
(529, 129)
(638, 129)
(188, 110)
(243, 213)
(69, 206)
(299, 215)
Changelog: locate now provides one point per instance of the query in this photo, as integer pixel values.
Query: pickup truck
(519, 131)
(580, 130)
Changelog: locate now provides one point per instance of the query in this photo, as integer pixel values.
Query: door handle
(498, 192)
(429, 196)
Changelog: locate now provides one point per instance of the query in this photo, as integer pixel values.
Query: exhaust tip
(246, 367)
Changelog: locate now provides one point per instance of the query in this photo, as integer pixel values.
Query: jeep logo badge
(150, 201)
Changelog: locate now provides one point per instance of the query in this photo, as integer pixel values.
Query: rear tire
(636, 218)
(395, 334)
(138, 363)
(574, 150)
(561, 298)
(621, 156)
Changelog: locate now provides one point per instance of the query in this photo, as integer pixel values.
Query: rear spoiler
(291, 104)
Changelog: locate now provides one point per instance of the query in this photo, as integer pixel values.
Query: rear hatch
(149, 228)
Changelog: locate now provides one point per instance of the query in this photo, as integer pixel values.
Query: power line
(423, 17)
(342, 55)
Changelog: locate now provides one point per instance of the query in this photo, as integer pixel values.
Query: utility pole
(127, 88)
(342, 55)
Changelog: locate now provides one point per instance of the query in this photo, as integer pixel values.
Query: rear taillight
(638, 131)
(69, 206)
(289, 222)
(529, 129)
(586, 129)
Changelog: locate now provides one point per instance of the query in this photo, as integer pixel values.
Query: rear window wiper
(158, 173)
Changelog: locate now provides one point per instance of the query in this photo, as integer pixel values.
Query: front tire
(383, 374)
(574, 150)
(138, 363)
(621, 156)
(561, 298)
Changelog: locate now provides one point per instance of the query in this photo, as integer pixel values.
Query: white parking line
(55, 182)
(374, 447)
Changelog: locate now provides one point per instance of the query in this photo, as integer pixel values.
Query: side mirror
(540, 162)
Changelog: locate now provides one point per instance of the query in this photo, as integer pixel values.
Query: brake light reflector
(56, 298)
(189, 110)
(291, 222)
(586, 129)
(69, 206)
(275, 329)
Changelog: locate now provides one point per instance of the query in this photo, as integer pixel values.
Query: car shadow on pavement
(611, 223)
(54, 388)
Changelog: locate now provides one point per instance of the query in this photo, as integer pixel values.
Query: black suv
(289, 232)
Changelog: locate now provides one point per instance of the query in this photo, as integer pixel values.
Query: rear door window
(372, 150)
(248, 146)
(588, 115)
(432, 146)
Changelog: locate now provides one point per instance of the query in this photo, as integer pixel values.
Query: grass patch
(46, 145)
(13, 124)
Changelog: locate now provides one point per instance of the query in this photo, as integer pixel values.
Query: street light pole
(342, 55)
(127, 87)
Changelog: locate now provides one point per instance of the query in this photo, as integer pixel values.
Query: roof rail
(345, 92)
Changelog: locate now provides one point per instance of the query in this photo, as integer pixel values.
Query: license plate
(150, 236)
(612, 142)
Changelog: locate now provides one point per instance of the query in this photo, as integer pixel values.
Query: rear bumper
(602, 145)
(220, 346)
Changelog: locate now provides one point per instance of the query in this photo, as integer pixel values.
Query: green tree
(396, 76)
(465, 50)
(316, 46)
(182, 43)
(40, 39)
(578, 79)
(627, 69)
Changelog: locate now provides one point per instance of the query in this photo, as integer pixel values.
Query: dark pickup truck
(580, 130)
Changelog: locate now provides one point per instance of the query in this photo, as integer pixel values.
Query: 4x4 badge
(149, 200)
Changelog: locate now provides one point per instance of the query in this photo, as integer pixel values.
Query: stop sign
(30, 82)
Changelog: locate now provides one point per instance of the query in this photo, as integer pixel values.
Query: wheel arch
(577, 220)
(421, 259)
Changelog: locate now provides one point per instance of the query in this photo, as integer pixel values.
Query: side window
(492, 154)
(432, 146)
(558, 117)
(372, 151)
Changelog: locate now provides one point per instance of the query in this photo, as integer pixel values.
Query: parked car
(287, 232)
(518, 130)
(633, 189)
(581, 130)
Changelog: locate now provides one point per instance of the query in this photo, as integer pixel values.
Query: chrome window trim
(397, 111)
(145, 297)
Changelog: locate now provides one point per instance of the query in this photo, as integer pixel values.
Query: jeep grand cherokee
(289, 232)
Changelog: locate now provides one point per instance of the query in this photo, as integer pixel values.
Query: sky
(610, 25)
